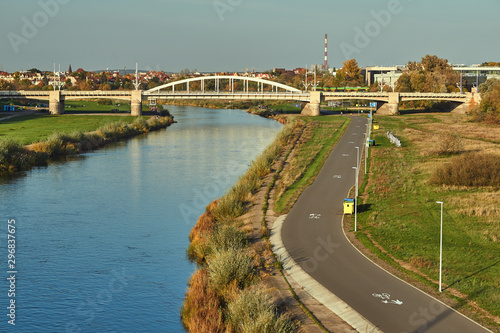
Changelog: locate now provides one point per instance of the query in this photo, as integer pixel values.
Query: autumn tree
(490, 64)
(351, 73)
(431, 74)
(6, 85)
(489, 109)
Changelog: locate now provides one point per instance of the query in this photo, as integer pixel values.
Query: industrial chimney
(326, 52)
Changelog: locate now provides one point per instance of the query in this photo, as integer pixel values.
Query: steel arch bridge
(231, 78)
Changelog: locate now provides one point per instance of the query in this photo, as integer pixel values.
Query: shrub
(200, 234)
(472, 169)
(248, 183)
(228, 266)
(226, 237)
(8, 148)
(229, 206)
(449, 144)
(200, 312)
(114, 131)
(140, 124)
(91, 141)
(14, 157)
(253, 311)
(51, 147)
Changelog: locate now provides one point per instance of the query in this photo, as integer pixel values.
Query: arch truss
(231, 78)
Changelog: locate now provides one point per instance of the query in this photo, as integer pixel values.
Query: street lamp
(356, 200)
(357, 168)
(366, 146)
(441, 247)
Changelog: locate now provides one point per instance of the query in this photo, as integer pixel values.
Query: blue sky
(229, 35)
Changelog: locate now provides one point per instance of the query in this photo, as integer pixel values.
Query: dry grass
(471, 169)
(464, 129)
(228, 266)
(253, 311)
(478, 204)
(201, 310)
(200, 234)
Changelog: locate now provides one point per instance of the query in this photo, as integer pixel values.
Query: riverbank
(15, 156)
(239, 222)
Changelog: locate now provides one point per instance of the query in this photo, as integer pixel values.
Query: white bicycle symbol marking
(383, 295)
(386, 299)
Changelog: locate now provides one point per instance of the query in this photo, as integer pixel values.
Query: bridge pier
(391, 107)
(313, 108)
(136, 103)
(473, 98)
(56, 102)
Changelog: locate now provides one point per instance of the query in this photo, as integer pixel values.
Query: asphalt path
(313, 236)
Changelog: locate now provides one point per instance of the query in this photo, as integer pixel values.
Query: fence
(393, 139)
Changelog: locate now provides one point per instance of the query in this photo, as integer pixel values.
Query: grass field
(293, 108)
(33, 128)
(94, 106)
(311, 152)
(401, 214)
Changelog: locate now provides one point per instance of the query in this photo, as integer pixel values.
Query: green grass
(404, 218)
(93, 106)
(311, 155)
(75, 106)
(287, 107)
(34, 128)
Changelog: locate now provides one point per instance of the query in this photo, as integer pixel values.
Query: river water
(101, 240)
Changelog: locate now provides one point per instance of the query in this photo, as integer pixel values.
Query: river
(100, 241)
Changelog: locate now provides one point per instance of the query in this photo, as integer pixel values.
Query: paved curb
(314, 288)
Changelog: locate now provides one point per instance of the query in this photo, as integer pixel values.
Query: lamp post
(441, 247)
(356, 200)
(366, 146)
(357, 168)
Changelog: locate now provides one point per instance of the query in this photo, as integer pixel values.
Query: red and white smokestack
(326, 51)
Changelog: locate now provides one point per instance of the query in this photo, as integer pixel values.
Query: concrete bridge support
(313, 108)
(473, 99)
(390, 108)
(136, 103)
(56, 102)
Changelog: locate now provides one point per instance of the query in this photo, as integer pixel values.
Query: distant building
(374, 73)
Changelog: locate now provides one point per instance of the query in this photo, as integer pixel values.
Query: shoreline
(16, 158)
(232, 228)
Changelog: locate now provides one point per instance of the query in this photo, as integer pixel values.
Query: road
(313, 236)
